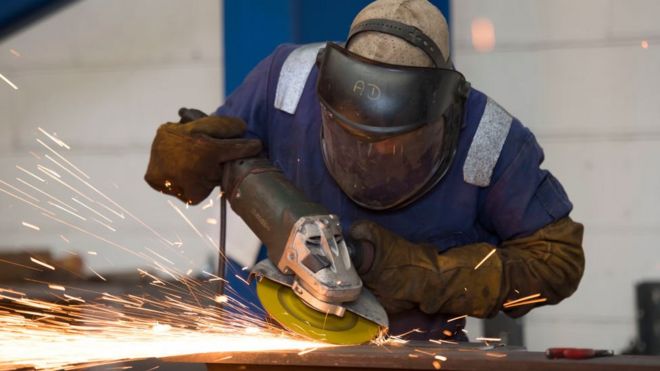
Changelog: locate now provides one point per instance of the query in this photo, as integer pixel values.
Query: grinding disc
(293, 314)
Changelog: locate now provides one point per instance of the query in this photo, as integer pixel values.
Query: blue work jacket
(515, 200)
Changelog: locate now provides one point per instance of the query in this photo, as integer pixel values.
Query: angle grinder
(308, 283)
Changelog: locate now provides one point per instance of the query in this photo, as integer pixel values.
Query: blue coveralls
(519, 199)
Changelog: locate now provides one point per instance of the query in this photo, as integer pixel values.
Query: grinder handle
(190, 114)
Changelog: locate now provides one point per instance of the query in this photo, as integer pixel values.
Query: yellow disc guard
(293, 314)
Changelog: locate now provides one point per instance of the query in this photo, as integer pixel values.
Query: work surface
(413, 356)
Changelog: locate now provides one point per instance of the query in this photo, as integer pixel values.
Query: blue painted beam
(17, 14)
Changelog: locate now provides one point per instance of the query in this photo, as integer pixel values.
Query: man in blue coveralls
(431, 174)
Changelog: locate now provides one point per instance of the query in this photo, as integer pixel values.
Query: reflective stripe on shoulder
(487, 144)
(293, 76)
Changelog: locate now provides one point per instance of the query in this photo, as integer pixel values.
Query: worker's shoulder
(292, 64)
(282, 51)
(285, 54)
(493, 137)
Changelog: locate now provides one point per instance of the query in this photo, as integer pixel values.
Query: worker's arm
(540, 253)
(403, 274)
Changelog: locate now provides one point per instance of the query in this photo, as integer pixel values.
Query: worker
(440, 186)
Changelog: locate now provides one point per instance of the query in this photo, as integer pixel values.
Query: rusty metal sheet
(414, 356)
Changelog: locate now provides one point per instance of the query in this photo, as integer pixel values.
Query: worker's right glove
(404, 275)
(462, 280)
(186, 157)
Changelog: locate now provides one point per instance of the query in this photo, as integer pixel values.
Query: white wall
(103, 75)
(576, 74)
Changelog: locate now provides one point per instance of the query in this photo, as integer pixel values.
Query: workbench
(413, 356)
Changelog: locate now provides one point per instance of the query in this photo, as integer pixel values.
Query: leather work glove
(404, 275)
(186, 157)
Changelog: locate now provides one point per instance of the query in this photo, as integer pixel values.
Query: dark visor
(377, 100)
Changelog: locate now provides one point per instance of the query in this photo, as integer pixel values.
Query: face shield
(389, 132)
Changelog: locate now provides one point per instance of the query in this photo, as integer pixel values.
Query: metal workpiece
(415, 355)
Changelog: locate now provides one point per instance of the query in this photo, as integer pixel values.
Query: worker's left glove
(186, 157)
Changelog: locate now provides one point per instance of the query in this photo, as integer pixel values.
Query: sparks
(208, 205)
(30, 174)
(86, 328)
(424, 352)
(160, 256)
(104, 225)
(8, 82)
(46, 194)
(19, 191)
(440, 341)
(440, 358)
(31, 226)
(533, 296)
(528, 302)
(91, 209)
(457, 318)
(97, 274)
(36, 261)
(25, 343)
(242, 279)
(190, 224)
(488, 339)
(485, 258)
(18, 265)
(303, 352)
(57, 141)
(159, 328)
(74, 298)
(215, 278)
(66, 210)
(252, 330)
